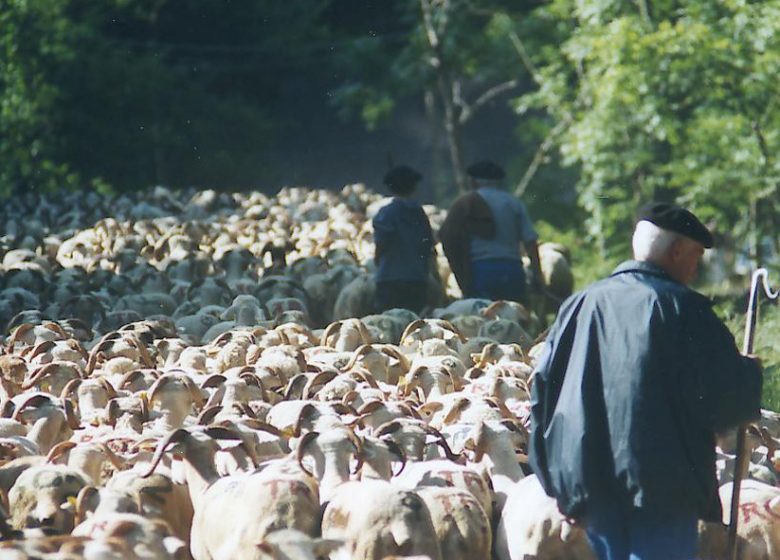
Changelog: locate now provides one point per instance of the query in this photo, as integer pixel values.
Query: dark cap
(402, 179)
(677, 219)
(486, 169)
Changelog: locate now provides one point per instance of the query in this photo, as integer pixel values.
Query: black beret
(677, 219)
(402, 179)
(486, 169)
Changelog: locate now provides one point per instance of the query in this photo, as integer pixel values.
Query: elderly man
(637, 375)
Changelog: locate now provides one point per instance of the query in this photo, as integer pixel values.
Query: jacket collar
(642, 267)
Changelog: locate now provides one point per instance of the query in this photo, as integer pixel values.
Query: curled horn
(112, 411)
(295, 386)
(315, 380)
(158, 385)
(307, 411)
(177, 436)
(389, 427)
(350, 397)
(496, 403)
(146, 358)
(223, 432)
(85, 494)
(262, 426)
(479, 442)
(71, 386)
(207, 415)
(41, 348)
(442, 442)
(457, 385)
(453, 329)
(195, 393)
(106, 384)
(474, 373)
(59, 450)
(70, 414)
(34, 401)
(7, 409)
(39, 374)
(396, 449)
(409, 411)
(329, 330)
(402, 358)
(363, 330)
(244, 409)
(54, 327)
(454, 413)
(355, 440)
(130, 377)
(301, 451)
(213, 380)
(94, 355)
(20, 331)
(366, 376)
(357, 354)
(410, 328)
(490, 311)
(370, 407)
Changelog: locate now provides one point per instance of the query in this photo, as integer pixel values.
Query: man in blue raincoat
(637, 376)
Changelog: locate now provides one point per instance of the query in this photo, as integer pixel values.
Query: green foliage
(34, 39)
(765, 347)
(675, 101)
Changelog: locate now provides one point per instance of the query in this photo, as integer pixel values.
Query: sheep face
(44, 496)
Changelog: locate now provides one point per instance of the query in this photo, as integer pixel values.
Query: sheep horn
(453, 329)
(35, 401)
(296, 384)
(315, 380)
(157, 386)
(19, 332)
(364, 334)
(213, 380)
(389, 427)
(70, 414)
(480, 443)
(442, 442)
(38, 374)
(41, 348)
(399, 452)
(370, 407)
(86, 493)
(59, 450)
(402, 358)
(108, 387)
(177, 436)
(207, 415)
(7, 409)
(306, 412)
(358, 449)
(146, 358)
(112, 412)
(71, 386)
(410, 328)
(357, 354)
(491, 310)
(454, 413)
(300, 452)
(329, 330)
(255, 424)
(130, 377)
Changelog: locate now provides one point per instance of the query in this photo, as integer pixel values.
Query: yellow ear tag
(72, 500)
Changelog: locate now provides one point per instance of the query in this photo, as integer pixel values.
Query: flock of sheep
(201, 375)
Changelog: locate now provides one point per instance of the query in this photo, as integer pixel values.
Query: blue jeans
(617, 533)
(496, 279)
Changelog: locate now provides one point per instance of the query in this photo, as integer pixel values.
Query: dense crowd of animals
(202, 375)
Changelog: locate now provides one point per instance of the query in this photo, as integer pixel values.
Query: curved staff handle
(740, 463)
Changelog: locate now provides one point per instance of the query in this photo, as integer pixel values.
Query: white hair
(651, 242)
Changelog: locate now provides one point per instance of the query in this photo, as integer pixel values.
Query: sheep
(398, 523)
(531, 525)
(271, 502)
(45, 496)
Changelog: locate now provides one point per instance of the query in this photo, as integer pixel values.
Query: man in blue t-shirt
(496, 265)
(404, 243)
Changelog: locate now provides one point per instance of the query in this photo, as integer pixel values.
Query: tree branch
(468, 111)
(540, 154)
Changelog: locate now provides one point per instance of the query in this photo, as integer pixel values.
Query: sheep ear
(323, 547)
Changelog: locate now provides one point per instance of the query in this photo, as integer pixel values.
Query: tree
(456, 53)
(665, 100)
